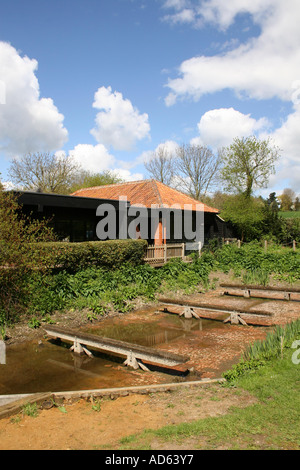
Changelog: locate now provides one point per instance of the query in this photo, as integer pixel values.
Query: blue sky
(109, 81)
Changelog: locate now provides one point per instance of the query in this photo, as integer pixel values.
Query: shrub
(79, 256)
(258, 353)
(17, 259)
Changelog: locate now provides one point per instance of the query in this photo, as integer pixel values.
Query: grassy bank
(271, 423)
(289, 214)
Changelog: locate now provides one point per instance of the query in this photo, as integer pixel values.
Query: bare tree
(44, 172)
(197, 168)
(161, 166)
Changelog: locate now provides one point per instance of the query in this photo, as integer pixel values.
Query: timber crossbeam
(190, 309)
(136, 355)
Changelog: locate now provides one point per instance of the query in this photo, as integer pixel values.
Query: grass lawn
(290, 214)
(270, 424)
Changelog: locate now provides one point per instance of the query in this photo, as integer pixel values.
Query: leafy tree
(272, 202)
(287, 199)
(248, 164)
(17, 256)
(44, 172)
(245, 215)
(217, 200)
(87, 179)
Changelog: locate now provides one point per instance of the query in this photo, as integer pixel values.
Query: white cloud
(218, 127)
(94, 158)
(287, 139)
(97, 159)
(263, 68)
(223, 13)
(28, 123)
(170, 146)
(127, 176)
(184, 16)
(118, 123)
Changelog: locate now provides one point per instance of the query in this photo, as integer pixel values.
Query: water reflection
(161, 329)
(46, 367)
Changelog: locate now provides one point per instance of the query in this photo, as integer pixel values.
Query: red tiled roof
(145, 193)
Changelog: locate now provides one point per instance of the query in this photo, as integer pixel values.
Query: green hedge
(77, 256)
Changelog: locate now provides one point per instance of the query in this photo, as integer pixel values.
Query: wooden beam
(208, 306)
(119, 348)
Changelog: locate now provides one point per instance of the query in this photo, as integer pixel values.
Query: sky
(110, 81)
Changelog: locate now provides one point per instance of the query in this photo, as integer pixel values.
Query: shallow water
(33, 367)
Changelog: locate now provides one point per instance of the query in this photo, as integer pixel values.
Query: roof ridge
(185, 194)
(113, 185)
(156, 190)
(146, 191)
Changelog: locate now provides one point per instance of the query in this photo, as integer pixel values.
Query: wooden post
(266, 245)
(182, 252)
(239, 243)
(294, 245)
(165, 253)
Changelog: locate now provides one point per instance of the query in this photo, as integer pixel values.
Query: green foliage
(272, 346)
(30, 409)
(271, 423)
(87, 179)
(238, 370)
(251, 257)
(257, 277)
(34, 323)
(17, 260)
(100, 289)
(260, 352)
(289, 214)
(79, 256)
(245, 215)
(248, 163)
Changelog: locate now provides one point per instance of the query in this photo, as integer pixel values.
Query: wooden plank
(258, 287)
(142, 389)
(263, 293)
(15, 407)
(208, 306)
(120, 348)
(254, 320)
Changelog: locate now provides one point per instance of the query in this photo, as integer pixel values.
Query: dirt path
(77, 426)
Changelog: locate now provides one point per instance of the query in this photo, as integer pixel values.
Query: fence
(227, 241)
(160, 254)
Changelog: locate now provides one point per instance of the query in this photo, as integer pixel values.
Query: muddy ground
(85, 424)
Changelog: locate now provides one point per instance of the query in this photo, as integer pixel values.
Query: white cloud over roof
(118, 123)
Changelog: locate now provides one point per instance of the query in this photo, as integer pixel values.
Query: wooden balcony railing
(158, 255)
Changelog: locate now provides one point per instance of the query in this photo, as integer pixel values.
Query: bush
(260, 352)
(78, 256)
(253, 258)
(17, 260)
